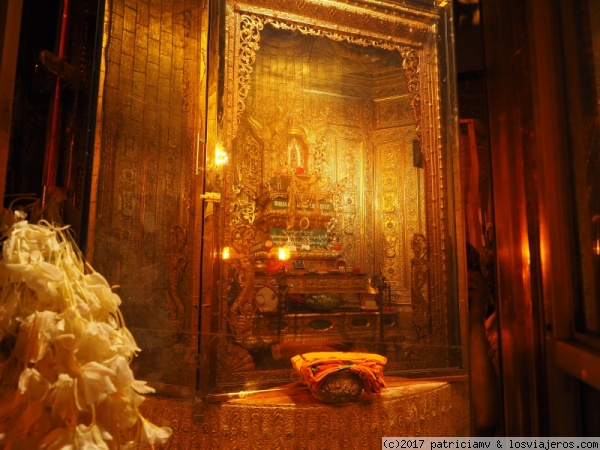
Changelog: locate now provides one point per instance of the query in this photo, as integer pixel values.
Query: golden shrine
(333, 210)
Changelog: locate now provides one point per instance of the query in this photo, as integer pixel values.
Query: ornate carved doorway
(341, 143)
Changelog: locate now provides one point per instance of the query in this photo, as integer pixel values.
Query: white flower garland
(65, 380)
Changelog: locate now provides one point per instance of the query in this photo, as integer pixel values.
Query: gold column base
(298, 420)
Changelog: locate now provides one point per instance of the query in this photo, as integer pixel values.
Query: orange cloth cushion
(314, 367)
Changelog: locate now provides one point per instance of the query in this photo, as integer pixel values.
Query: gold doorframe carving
(250, 26)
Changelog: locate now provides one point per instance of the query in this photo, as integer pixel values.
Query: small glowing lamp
(220, 157)
(283, 253)
(226, 253)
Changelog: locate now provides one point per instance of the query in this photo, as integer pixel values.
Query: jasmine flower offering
(65, 379)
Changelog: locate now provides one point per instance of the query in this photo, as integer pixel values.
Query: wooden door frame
(536, 271)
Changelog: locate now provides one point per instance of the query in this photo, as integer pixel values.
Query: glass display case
(331, 217)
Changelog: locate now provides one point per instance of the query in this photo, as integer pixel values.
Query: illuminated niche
(338, 153)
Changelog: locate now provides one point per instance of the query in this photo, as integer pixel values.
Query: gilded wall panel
(393, 112)
(143, 237)
(351, 205)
